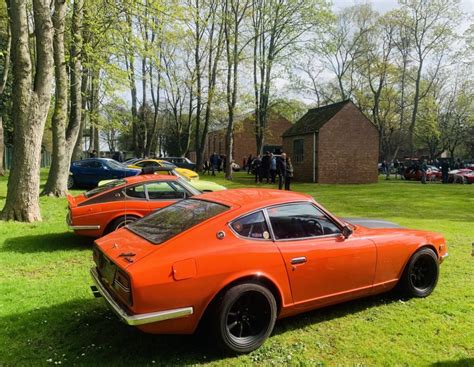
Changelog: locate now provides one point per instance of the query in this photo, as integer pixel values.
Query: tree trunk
(3, 83)
(56, 185)
(84, 92)
(30, 108)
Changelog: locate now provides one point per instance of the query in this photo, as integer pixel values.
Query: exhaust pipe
(95, 291)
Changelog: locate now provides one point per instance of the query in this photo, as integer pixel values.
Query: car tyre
(70, 182)
(421, 274)
(120, 222)
(244, 318)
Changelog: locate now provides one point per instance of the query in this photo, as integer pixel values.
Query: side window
(300, 221)
(252, 226)
(137, 192)
(163, 191)
(96, 164)
(180, 189)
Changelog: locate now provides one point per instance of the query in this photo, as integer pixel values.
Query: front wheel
(421, 274)
(244, 318)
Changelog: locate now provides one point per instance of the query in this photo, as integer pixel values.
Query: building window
(298, 150)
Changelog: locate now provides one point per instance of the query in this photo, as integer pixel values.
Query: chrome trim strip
(78, 228)
(139, 319)
(445, 256)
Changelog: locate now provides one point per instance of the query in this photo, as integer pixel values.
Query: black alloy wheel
(245, 318)
(421, 274)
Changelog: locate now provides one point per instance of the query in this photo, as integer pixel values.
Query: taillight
(122, 286)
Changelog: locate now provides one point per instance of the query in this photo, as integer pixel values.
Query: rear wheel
(121, 222)
(421, 273)
(244, 318)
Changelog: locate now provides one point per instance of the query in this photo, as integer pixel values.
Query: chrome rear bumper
(79, 228)
(139, 319)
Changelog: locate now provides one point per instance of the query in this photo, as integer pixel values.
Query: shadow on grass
(335, 311)
(468, 362)
(85, 331)
(47, 243)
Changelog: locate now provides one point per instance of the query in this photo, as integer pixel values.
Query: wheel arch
(128, 214)
(256, 278)
(418, 248)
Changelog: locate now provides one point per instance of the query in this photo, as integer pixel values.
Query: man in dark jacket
(281, 170)
(213, 160)
(445, 171)
(265, 167)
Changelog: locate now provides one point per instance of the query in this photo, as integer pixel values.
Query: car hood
(371, 223)
(188, 173)
(207, 185)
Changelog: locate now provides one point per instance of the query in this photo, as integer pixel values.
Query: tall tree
(277, 25)
(234, 13)
(3, 84)
(65, 131)
(31, 101)
(430, 24)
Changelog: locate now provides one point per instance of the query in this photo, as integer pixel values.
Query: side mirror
(346, 231)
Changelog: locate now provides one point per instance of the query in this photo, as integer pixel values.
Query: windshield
(168, 222)
(167, 164)
(103, 188)
(115, 165)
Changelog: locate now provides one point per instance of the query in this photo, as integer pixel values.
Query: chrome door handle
(298, 260)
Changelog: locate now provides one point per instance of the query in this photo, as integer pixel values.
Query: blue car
(88, 172)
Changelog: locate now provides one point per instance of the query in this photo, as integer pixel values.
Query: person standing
(249, 163)
(445, 171)
(273, 167)
(265, 167)
(289, 173)
(424, 170)
(281, 170)
(213, 162)
(256, 162)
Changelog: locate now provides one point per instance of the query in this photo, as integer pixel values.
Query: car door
(92, 172)
(323, 267)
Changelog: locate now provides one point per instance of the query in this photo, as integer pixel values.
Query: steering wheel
(318, 227)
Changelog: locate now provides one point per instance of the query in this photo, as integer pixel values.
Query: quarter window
(163, 191)
(136, 192)
(300, 221)
(252, 226)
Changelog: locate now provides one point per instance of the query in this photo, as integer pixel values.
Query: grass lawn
(49, 316)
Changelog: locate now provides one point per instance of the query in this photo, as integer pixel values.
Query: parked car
(462, 175)
(203, 186)
(241, 259)
(181, 162)
(414, 173)
(88, 172)
(131, 161)
(120, 202)
(143, 163)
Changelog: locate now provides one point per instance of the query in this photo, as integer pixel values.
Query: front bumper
(139, 319)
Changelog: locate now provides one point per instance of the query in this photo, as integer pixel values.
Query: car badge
(220, 235)
(115, 245)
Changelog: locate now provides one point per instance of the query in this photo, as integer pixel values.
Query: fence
(7, 158)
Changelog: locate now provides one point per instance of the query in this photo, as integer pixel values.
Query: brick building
(244, 137)
(333, 144)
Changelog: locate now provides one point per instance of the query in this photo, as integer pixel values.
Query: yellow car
(187, 173)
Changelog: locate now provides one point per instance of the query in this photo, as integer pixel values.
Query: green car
(203, 186)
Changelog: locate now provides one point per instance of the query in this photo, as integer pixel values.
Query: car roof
(253, 197)
(152, 177)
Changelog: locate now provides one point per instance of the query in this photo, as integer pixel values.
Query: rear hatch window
(168, 222)
(103, 188)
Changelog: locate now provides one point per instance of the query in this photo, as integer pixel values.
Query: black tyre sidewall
(120, 220)
(408, 287)
(70, 182)
(224, 341)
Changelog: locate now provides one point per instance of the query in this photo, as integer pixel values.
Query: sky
(384, 5)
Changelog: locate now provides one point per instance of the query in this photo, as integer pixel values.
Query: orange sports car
(241, 259)
(120, 202)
